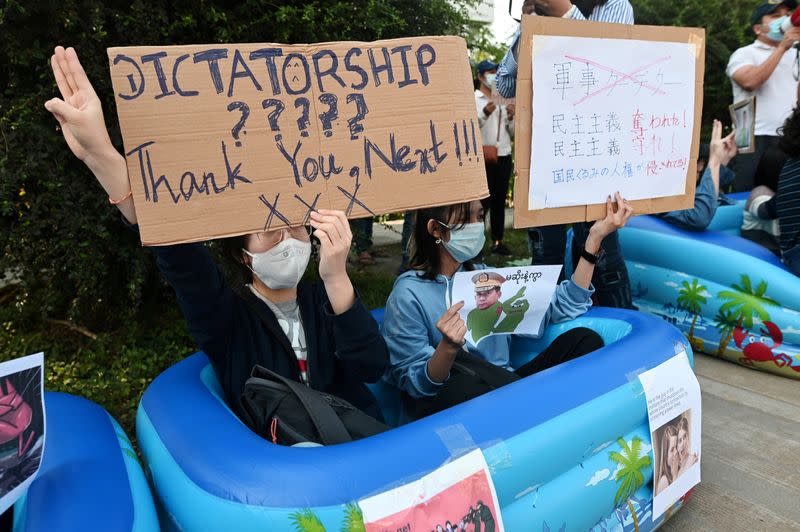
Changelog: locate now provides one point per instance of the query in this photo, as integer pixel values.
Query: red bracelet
(120, 200)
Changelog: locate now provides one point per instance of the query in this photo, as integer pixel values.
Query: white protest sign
(22, 425)
(674, 411)
(460, 493)
(610, 115)
(504, 300)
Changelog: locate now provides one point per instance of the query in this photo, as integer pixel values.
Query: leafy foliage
(306, 521)
(77, 260)
(629, 475)
(747, 302)
(691, 296)
(354, 519)
(727, 25)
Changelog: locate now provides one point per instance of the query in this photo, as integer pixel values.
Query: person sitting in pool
(783, 207)
(320, 334)
(712, 174)
(425, 337)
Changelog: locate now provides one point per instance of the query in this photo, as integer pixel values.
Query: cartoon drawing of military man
(492, 316)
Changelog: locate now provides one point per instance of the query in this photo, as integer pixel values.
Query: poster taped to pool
(673, 411)
(455, 495)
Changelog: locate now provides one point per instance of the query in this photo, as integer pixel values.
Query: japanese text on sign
(610, 115)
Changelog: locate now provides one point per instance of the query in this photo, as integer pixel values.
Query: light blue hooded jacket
(409, 328)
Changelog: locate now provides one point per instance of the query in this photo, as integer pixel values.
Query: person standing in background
(497, 129)
(764, 69)
(616, 11)
(548, 244)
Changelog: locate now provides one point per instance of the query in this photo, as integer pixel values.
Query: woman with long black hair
(425, 337)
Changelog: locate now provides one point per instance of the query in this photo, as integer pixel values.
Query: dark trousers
(472, 376)
(362, 233)
(610, 279)
(746, 165)
(497, 177)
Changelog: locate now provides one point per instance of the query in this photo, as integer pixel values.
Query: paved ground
(751, 452)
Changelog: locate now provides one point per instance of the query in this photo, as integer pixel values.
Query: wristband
(120, 200)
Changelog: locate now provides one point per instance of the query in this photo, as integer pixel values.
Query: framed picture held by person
(743, 117)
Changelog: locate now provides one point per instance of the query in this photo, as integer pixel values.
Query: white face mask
(490, 79)
(283, 265)
(465, 243)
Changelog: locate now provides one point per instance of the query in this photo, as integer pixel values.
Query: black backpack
(287, 412)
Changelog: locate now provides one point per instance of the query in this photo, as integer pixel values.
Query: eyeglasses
(272, 238)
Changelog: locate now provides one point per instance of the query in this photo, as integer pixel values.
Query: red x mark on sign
(621, 75)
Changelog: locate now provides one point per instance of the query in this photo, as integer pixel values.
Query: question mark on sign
(273, 116)
(331, 114)
(302, 122)
(361, 111)
(245, 110)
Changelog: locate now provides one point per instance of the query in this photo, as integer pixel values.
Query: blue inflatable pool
(730, 296)
(90, 478)
(548, 440)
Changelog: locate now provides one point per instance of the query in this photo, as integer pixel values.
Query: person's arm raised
(333, 232)
(751, 77)
(80, 116)
(601, 229)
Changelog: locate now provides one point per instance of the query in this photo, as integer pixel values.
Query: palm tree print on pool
(353, 519)
(690, 297)
(745, 303)
(306, 521)
(629, 474)
(725, 322)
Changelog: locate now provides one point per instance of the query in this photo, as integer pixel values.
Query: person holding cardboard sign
(426, 339)
(319, 334)
(616, 11)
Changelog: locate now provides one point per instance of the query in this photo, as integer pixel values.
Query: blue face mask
(465, 243)
(775, 33)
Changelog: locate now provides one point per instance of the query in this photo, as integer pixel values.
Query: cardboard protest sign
(605, 107)
(231, 139)
(674, 412)
(460, 493)
(22, 425)
(504, 300)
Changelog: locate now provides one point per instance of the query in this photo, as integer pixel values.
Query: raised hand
(721, 150)
(333, 232)
(78, 111)
(81, 118)
(614, 219)
(452, 327)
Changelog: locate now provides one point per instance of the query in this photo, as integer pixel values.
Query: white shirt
(777, 96)
(489, 125)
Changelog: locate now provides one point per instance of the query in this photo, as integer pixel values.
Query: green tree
(75, 258)
(744, 303)
(727, 26)
(725, 322)
(306, 521)
(629, 476)
(353, 519)
(690, 297)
